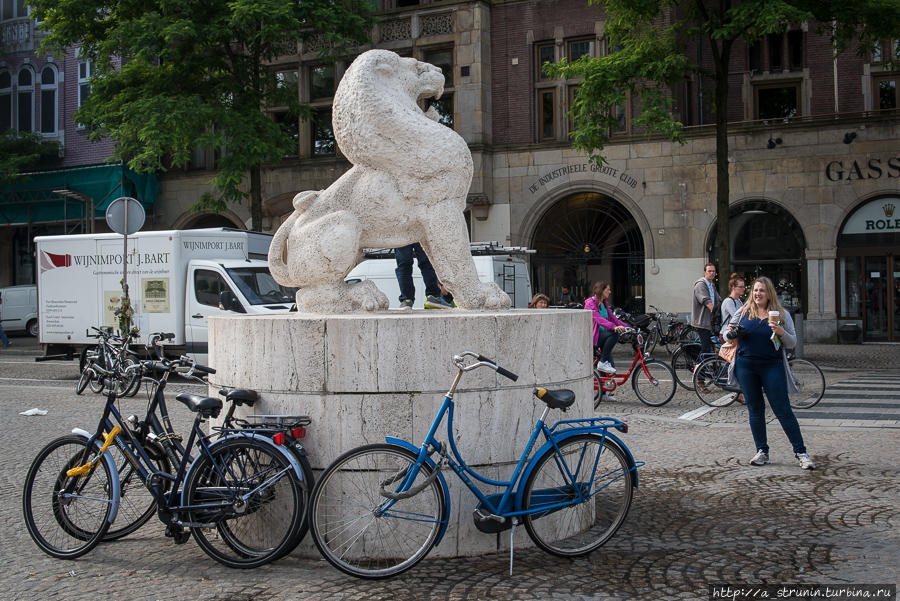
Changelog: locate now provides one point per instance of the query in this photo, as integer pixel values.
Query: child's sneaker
(606, 367)
(761, 458)
(805, 462)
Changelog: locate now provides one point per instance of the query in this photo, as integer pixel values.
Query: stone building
(814, 162)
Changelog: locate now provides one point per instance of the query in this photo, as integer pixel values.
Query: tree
(651, 38)
(23, 150)
(174, 75)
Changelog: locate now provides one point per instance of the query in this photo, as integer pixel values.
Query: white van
(509, 272)
(177, 280)
(18, 311)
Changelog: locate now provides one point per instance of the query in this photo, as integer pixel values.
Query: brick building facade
(814, 162)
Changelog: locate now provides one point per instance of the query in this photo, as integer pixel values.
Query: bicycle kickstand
(512, 530)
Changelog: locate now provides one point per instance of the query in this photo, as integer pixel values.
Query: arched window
(5, 101)
(49, 96)
(25, 100)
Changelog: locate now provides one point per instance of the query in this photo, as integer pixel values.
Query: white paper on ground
(34, 411)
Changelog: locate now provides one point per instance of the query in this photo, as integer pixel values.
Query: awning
(71, 194)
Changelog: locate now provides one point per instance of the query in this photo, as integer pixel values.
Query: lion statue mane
(408, 183)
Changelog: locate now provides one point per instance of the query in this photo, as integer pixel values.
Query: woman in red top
(606, 326)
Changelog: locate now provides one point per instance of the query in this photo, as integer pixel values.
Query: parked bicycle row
(244, 489)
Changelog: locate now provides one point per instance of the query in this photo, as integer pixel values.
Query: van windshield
(260, 288)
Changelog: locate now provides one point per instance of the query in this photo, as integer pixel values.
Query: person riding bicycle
(763, 330)
(606, 326)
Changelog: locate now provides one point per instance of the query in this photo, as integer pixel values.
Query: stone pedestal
(362, 377)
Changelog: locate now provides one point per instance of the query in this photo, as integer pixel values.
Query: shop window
(579, 48)
(849, 278)
(25, 100)
(323, 143)
(546, 53)
(49, 107)
(778, 101)
(886, 92)
(546, 113)
(321, 82)
(5, 101)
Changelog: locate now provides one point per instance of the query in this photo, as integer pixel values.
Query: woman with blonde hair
(763, 330)
(539, 301)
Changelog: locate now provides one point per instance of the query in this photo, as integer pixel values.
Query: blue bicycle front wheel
(585, 491)
(359, 530)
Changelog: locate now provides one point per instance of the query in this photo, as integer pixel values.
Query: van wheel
(32, 328)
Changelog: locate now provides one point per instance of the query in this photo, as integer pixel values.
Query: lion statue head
(380, 118)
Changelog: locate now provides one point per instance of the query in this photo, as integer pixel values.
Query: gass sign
(873, 168)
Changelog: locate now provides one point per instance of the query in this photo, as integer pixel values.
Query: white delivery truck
(493, 262)
(176, 279)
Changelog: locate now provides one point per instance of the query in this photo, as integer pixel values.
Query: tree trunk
(256, 223)
(723, 184)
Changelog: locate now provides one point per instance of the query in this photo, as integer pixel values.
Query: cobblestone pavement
(702, 516)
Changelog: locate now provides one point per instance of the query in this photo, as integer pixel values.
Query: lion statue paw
(344, 298)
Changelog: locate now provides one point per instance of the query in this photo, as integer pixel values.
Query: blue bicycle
(378, 509)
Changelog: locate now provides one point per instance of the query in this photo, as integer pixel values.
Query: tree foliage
(174, 75)
(649, 42)
(20, 151)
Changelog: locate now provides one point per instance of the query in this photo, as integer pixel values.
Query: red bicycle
(653, 382)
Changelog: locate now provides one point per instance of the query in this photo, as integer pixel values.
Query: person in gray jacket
(704, 304)
(764, 330)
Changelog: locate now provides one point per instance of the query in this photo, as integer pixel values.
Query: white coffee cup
(774, 316)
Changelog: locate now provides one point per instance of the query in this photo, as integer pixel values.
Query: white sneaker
(761, 458)
(611, 397)
(606, 367)
(805, 462)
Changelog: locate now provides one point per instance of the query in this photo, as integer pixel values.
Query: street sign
(125, 215)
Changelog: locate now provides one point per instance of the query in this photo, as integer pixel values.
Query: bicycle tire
(598, 387)
(348, 493)
(811, 383)
(97, 382)
(83, 380)
(578, 529)
(244, 534)
(136, 503)
(689, 335)
(66, 527)
(659, 389)
(306, 489)
(710, 378)
(684, 360)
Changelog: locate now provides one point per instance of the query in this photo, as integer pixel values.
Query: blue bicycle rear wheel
(570, 527)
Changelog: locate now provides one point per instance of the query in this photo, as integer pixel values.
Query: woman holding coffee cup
(763, 330)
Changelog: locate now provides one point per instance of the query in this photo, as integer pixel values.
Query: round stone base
(363, 377)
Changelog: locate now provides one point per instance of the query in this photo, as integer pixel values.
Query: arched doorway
(586, 237)
(766, 240)
(868, 269)
(205, 220)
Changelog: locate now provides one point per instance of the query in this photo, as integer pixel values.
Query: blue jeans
(706, 345)
(3, 337)
(606, 341)
(404, 257)
(756, 375)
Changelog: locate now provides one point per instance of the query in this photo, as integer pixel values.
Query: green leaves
(173, 76)
(20, 151)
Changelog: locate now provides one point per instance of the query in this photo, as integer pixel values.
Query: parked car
(18, 311)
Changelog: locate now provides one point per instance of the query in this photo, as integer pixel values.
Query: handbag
(727, 350)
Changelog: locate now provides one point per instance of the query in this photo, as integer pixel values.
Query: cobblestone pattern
(701, 516)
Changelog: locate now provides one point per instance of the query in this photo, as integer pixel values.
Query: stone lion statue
(408, 183)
